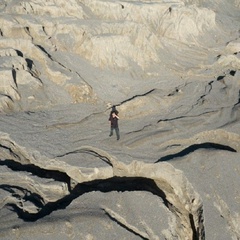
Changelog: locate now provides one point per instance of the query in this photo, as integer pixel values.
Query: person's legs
(117, 133)
(111, 132)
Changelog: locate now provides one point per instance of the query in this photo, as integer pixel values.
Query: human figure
(113, 119)
(114, 110)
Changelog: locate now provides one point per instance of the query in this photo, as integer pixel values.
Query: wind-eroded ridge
(215, 139)
(32, 200)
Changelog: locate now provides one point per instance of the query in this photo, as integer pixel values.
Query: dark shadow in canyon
(120, 184)
(194, 147)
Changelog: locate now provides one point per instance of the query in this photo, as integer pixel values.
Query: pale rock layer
(172, 70)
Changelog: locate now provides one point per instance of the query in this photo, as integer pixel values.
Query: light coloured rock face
(172, 68)
(129, 43)
(162, 180)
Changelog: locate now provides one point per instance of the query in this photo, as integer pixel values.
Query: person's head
(114, 109)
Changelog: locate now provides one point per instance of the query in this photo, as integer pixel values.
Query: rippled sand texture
(172, 69)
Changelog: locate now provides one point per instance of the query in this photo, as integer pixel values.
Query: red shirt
(114, 121)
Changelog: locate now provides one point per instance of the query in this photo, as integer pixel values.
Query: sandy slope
(172, 69)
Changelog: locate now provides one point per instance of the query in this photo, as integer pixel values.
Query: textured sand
(173, 71)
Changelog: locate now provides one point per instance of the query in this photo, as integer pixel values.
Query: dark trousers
(116, 130)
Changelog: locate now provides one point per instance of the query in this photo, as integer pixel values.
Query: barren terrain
(171, 68)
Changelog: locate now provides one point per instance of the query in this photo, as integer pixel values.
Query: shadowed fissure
(120, 184)
(119, 177)
(194, 147)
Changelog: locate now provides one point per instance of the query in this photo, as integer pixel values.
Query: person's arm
(114, 115)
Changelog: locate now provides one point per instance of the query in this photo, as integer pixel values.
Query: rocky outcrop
(33, 200)
(172, 70)
(56, 42)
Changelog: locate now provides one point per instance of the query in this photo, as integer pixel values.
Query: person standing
(113, 119)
